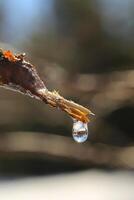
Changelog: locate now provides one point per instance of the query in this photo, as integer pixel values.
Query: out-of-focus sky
(23, 17)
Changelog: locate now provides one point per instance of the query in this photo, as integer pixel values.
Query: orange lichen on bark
(9, 55)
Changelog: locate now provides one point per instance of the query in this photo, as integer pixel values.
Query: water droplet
(80, 131)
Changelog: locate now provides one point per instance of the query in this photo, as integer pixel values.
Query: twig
(18, 74)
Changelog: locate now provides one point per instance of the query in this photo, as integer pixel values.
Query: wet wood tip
(74, 110)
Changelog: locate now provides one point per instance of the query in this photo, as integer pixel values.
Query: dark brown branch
(18, 74)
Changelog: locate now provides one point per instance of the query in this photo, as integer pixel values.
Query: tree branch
(20, 75)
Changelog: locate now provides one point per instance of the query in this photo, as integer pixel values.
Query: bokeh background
(85, 50)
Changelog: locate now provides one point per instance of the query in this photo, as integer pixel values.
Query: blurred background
(84, 50)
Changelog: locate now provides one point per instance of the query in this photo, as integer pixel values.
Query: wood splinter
(19, 75)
